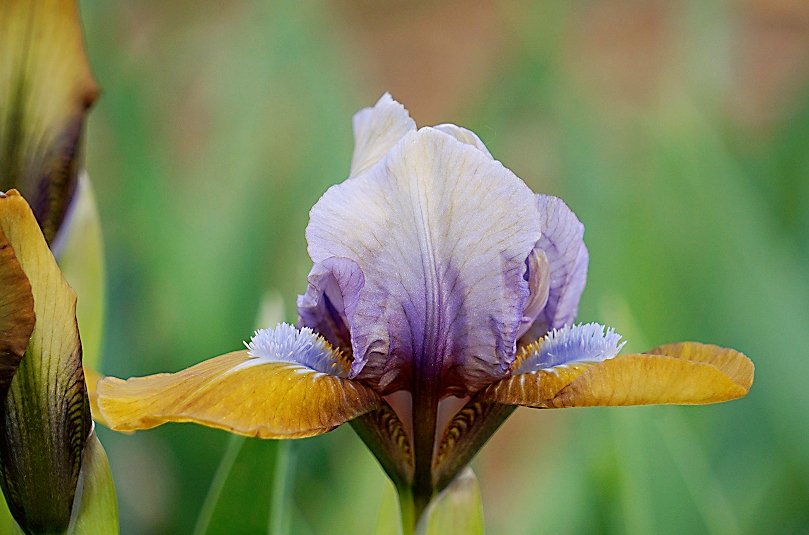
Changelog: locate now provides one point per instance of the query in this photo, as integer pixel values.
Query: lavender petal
(562, 243)
(441, 233)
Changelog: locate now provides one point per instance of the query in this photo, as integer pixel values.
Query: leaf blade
(96, 512)
(456, 510)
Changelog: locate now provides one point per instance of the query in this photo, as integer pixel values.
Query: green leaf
(456, 510)
(249, 492)
(96, 507)
(7, 524)
(389, 520)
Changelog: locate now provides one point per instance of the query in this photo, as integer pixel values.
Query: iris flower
(443, 295)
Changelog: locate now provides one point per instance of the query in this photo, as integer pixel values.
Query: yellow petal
(16, 313)
(237, 393)
(45, 90)
(47, 415)
(687, 373)
(92, 377)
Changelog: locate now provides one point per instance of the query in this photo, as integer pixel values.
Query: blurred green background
(677, 131)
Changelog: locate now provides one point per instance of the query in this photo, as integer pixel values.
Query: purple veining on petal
(331, 296)
(562, 243)
(441, 233)
(590, 342)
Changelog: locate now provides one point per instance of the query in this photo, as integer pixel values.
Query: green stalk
(408, 510)
(234, 446)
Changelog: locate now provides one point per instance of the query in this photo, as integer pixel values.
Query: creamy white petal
(464, 136)
(376, 130)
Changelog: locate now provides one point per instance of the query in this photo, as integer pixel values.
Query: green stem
(285, 461)
(234, 446)
(408, 510)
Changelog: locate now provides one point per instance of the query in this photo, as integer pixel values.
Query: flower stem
(408, 510)
(425, 415)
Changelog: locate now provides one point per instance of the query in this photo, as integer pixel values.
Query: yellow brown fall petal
(687, 373)
(235, 393)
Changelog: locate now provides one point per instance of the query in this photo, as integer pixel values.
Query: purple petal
(441, 234)
(330, 299)
(567, 256)
(538, 276)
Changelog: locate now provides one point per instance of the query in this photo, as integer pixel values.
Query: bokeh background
(677, 131)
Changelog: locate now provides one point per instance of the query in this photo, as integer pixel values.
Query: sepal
(290, 384)
(687, 373)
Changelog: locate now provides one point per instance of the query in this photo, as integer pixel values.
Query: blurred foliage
(678, 132)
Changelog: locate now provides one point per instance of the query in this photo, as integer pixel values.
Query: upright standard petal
(289, 384)
(464, 136)
(45, 90)
(331, 296)
(441, 234)
(567, 257)
(538, 277)
(376, 130)
(46, 416)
